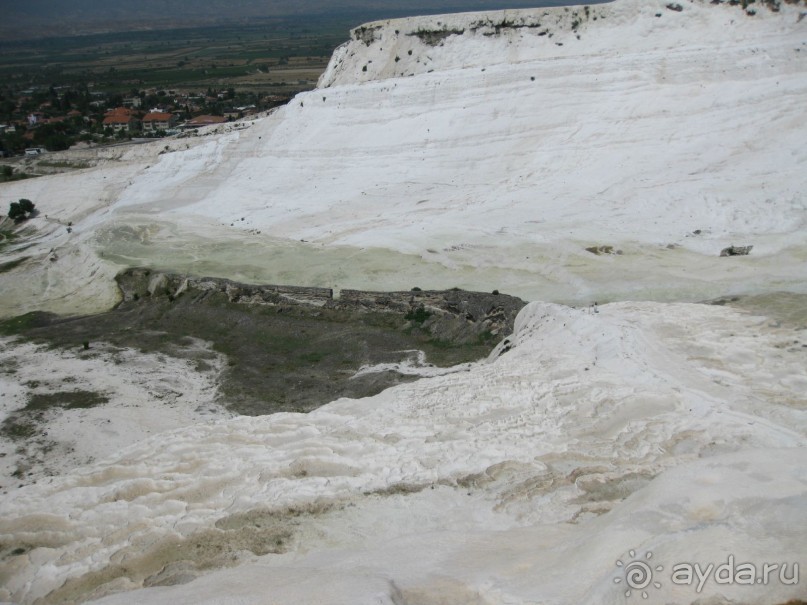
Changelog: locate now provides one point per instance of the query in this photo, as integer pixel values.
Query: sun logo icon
(638, 574)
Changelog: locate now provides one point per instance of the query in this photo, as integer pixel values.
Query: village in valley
(58, 118)
(110, 88)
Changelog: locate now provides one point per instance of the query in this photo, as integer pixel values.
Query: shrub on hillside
(21, 210)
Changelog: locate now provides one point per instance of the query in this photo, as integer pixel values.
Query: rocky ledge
(456, 316)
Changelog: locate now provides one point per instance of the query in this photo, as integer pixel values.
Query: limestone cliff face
(399, 48)
(405, 47)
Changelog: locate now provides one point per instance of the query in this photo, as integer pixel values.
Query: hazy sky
(49, 17)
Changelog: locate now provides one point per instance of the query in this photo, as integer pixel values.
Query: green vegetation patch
(18, 428)
(12, 264)
(25, 423)
(69, 400)
(186, 57)
(6, 237)
(16, 326)
(279, 357)
(418, 316)
(790, 308)
(8, 174)
(74, 165)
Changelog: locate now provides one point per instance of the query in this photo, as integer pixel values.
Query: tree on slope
(21, 210)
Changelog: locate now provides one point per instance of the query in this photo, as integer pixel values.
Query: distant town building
(154, 121)
(200, 121)
(133, 102)
(121, 118)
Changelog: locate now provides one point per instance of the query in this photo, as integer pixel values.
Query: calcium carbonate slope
(594, 435)
(676, 429)
(486, 159)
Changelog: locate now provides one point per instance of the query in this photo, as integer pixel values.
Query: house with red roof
(200, 121)
(121, 118)
(157, 120)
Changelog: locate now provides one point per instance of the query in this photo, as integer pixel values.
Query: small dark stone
(736, 251)
(598, 250)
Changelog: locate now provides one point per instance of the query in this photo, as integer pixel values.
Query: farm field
(280, 55)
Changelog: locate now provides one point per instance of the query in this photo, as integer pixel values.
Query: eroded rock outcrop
(455, 315)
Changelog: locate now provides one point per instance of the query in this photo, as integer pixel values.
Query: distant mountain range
(46, 18)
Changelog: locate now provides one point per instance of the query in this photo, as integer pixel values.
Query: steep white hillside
(492, 162)
(399, 48)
